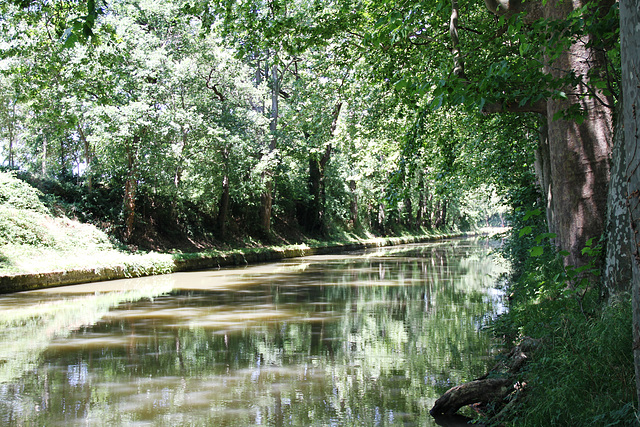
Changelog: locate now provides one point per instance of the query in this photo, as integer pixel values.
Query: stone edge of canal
(27, 281)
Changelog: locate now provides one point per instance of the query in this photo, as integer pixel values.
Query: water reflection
(366, 338)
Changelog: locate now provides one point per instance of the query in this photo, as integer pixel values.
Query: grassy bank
(41, 247)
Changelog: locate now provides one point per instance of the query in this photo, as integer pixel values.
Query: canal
(361, 338)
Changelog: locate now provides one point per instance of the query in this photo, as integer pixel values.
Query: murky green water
(365, 338)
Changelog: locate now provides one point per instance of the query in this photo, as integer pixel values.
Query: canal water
(362, 338)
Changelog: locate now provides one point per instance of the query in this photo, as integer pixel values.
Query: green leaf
(525, 230)
(529, 214)
(536, 251)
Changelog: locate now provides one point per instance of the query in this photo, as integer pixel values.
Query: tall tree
(630, 53)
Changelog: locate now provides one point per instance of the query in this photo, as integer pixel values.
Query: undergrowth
(582, 374)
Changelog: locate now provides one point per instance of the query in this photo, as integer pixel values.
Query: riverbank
(139, 265)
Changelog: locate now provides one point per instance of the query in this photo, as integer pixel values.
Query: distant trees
(292, 112)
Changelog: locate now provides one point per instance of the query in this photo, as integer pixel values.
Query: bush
(17, 194)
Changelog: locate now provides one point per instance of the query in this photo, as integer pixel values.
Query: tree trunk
(408, 211)
(630, 56)
(315, 176)
(44, 155)
(353, 208)
(543, 173)
(317, 171)
(579, 152)
(223, 207)
(11, 128)
(618, 257)
(87, 156)
(444, 213)
(266, 198)
(130, 190)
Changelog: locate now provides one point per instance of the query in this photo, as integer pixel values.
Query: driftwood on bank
(477, 391)
(486, 390)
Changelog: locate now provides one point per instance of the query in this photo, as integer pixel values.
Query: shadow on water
(364, 338)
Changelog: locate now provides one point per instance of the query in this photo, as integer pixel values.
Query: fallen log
(478, 391)
(493, 387)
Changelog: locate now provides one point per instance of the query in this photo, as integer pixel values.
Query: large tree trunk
(579, 152)
(630, 55)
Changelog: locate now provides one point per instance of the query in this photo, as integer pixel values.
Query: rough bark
(617, 266)
(579, 152)
(630, 56)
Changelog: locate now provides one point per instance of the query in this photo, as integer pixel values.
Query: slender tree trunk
(408, 210)
(444, 213)
(353, 208)
(543, 173)
(315, 176)
(44, 155)
(317, 172)
(266, 198)
(630, 55)
(11, 128)
(87, 156)
(130, 189)
(223, 205)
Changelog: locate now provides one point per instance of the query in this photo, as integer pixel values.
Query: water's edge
(33, 281)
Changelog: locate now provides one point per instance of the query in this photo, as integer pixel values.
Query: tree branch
(539, 107)
(214, 88)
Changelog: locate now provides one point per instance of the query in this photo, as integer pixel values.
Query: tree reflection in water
(363, 338)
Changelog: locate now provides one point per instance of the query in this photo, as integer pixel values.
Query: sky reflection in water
(365, 338)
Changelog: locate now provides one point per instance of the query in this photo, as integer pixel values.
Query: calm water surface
(363, 338)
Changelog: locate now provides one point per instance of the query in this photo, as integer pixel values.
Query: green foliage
(17, 194)
(583, 373)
